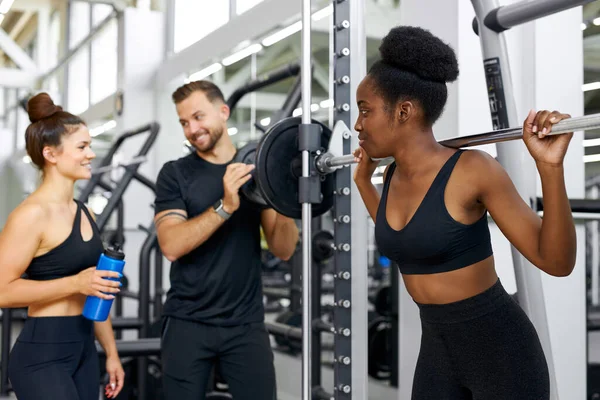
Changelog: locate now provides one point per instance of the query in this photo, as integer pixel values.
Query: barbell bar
(278, 162)
(327, 163)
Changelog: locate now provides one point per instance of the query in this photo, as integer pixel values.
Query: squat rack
(348, 41)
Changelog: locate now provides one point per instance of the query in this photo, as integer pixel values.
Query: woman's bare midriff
(452, 286)
(69, 306)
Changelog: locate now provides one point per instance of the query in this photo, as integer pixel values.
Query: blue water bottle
(95, 308)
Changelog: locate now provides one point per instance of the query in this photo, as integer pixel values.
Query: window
(22, 119)
(104, 63)
(79, 23)
(79, 82)
(54, 42)
(194, 19)
(244, 5)
(100, 12)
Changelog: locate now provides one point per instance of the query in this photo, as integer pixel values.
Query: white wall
(141, 52)
(542, 78)
(557, 86)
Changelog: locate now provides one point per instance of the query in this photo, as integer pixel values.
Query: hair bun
(41, 106)
(417, 50)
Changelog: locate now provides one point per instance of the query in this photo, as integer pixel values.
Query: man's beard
(213, 138)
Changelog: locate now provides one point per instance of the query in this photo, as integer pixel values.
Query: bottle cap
(114, 253)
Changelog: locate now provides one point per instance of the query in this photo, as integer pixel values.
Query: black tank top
(71, 256)
(432, 241)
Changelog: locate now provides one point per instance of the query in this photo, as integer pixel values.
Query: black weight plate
(380, 351)
(383, 301)
(279, 166)
(292, 319)
(247, 154)
(322, 246)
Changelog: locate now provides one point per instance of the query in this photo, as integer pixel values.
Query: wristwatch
(218, 207)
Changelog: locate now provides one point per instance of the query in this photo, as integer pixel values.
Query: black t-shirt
(219, 282)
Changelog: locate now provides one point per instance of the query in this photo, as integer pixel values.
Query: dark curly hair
(415, 65)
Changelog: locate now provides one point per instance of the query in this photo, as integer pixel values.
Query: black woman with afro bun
(431, 220)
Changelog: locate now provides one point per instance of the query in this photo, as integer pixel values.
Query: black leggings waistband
(56, 329)
(463, 310)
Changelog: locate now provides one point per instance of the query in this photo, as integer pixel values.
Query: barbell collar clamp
(309, 137)
(310, 189)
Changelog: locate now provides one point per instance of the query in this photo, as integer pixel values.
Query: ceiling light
(326, 103)
(5, 6)
(591, 158)
(232, 131)
(322, 13)
(282, 34)
(252, 49)
(203, 73)
(591, 86)
(103, 128)
(591, 142)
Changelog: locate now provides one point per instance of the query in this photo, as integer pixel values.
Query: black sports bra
(71, 256)
(432, 241)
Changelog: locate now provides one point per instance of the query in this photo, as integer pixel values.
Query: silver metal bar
(515, 14)
(306, 209)
(595, 249)
(513, 156)
(575, 124)
(360, 384)
(580, 216)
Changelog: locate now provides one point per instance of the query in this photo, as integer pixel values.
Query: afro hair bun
(417, 50)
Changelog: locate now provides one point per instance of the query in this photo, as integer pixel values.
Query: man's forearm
(178, 240)
(285, 237)
(104, 334)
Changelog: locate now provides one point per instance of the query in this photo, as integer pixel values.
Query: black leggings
(55, 358)
(481, 348)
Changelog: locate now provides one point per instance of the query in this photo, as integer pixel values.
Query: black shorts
(55, 357)
(243, 355)
(481, 348)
